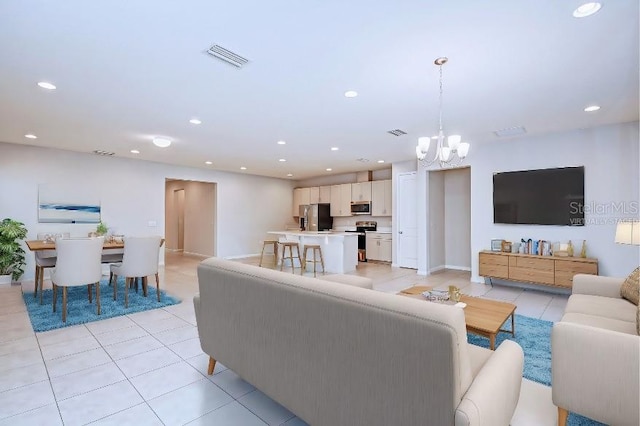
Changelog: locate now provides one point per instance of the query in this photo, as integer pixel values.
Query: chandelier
(449, 153)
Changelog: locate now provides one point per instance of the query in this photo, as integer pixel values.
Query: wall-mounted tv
(539, 197)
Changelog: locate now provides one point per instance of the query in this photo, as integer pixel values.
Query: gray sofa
(595, 354)
(336, 354)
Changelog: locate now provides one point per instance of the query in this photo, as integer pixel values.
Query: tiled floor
(148, 369)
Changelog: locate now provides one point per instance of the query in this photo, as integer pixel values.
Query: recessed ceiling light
(350, 94)
(592, 108)
(380, 161)
(195, 121)
(587, 9)
(334, 148)
(161, 142)
(281, 143)
(329, 169)
(282, 160)
(30, 136)
(243, 168)
(46, 85)
(135, 151)
(289, 174)
(208, 163)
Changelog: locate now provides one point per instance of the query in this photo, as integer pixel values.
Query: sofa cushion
(601, 322)
(353, 280)
(620, 309)
(478, 357)
(630, 288)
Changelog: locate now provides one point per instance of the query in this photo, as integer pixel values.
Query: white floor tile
(16, 331)
(132, 347)
(58, 350)
(87, 380)
(164, 324)
(22, 376)
(47, 415)
(503, 293)
(166, 379)
(189, 403)
(266, 408)
(140, 415)
(70, 364)
(151, 316)
(535, 407)
(20, 359)
(24, 344)
(147, 361)
(26, 398)
(233, 414)
(553, 314)
(201, 363)
(187, 349)
(231, 383)
(176, 335)
(121, 335)
(99, 403)
(63, 334)
(103, 326)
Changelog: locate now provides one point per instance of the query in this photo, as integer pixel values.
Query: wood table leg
(144, 286)
(563, 415)
(64, 304)
(90, 291)
(35, 289)
(98, 296)
(55, 296)
(41, 283)
(492, 342)
(212, 365)
(126, 291)
(513, 324)
(158, 286)
(115, 288)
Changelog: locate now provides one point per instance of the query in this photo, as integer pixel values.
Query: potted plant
(102, 229)
(12, 260)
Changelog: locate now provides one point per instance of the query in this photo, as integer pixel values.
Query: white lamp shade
(445, 153)
(463, 149)
(454, 141)
(423, 143)
(628, 232)
(419, 153)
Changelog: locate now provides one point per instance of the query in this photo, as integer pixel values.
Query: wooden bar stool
(274, 243)
(290, 245)
(316, 249)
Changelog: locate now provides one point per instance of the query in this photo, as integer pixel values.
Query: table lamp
(628, 232)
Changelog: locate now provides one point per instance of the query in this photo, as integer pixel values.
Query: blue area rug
(80, 311)
(534, 335)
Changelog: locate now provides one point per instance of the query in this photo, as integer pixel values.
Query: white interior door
(407, 221)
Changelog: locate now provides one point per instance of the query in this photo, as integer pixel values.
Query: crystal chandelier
(449, 153)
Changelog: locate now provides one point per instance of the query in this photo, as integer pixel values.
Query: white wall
(611, 157)
(436, 220)
(457, 218)
(132, 194)
(382, 174)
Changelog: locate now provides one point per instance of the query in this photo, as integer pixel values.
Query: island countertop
(315, 233)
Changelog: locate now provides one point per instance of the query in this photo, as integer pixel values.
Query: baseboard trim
(436, 269)
(458, 268)
(196, 254)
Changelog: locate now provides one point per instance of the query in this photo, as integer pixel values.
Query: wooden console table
(529, 268)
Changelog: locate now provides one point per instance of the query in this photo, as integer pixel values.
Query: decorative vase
(570, 249)
(5, 279)
(583, 252)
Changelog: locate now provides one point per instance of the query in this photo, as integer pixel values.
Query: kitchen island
(339, 249)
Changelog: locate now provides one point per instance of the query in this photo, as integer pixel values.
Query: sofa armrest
(595, 372)
(493, 395)
(597, 285)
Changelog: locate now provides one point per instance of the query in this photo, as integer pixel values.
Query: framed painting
(67, 204)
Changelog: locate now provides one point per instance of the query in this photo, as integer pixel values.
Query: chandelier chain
(440, 101)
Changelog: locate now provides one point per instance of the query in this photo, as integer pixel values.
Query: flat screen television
(539, 197)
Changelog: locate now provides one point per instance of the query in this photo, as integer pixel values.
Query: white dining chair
(140, 259)
(78, 263)
(45, 259)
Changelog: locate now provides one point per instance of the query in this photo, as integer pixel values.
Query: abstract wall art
(67, 204)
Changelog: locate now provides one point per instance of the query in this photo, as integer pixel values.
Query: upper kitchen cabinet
(361, 191)
(319, 194)
(301, 197)
(341, 200)
(381, 198)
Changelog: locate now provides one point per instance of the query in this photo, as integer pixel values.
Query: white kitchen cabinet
(325, 194)
(341, 200)
(314, 195)
(361, 191)
(379, 246)
(301, 196)
(381, 198)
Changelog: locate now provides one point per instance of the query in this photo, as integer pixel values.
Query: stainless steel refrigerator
(317, 217)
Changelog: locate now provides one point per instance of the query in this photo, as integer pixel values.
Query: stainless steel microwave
(361, 207)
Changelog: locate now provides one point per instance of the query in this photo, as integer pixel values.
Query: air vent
(363, 160)
(227, 56)
(510, 131)
(397, 132)
(105, 153)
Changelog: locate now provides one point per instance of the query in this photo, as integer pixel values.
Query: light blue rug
(534, 335)
(80, 311)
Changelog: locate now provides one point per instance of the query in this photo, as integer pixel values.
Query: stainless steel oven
(361, 228)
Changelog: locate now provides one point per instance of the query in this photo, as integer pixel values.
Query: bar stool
(290, 245)
(315, 248)
(265, 243)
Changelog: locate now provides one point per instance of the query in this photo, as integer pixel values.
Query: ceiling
(127, 71)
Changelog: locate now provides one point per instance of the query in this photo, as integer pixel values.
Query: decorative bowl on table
(436, 295)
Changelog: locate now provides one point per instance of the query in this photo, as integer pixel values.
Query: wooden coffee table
(483, 317)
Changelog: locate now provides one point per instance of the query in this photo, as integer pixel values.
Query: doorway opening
(449, 210)
(190, 219)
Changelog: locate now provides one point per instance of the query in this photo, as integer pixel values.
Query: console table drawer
(564, 278)
(543, 275)
(576, 267)
(494, 259)
(533, 263)
(494, 271)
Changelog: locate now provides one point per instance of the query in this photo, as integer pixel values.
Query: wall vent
(105, 153)
(397, 132)
(227, 56)
(362, 160)
(510, 131)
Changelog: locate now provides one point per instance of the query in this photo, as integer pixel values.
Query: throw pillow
(630, 289)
